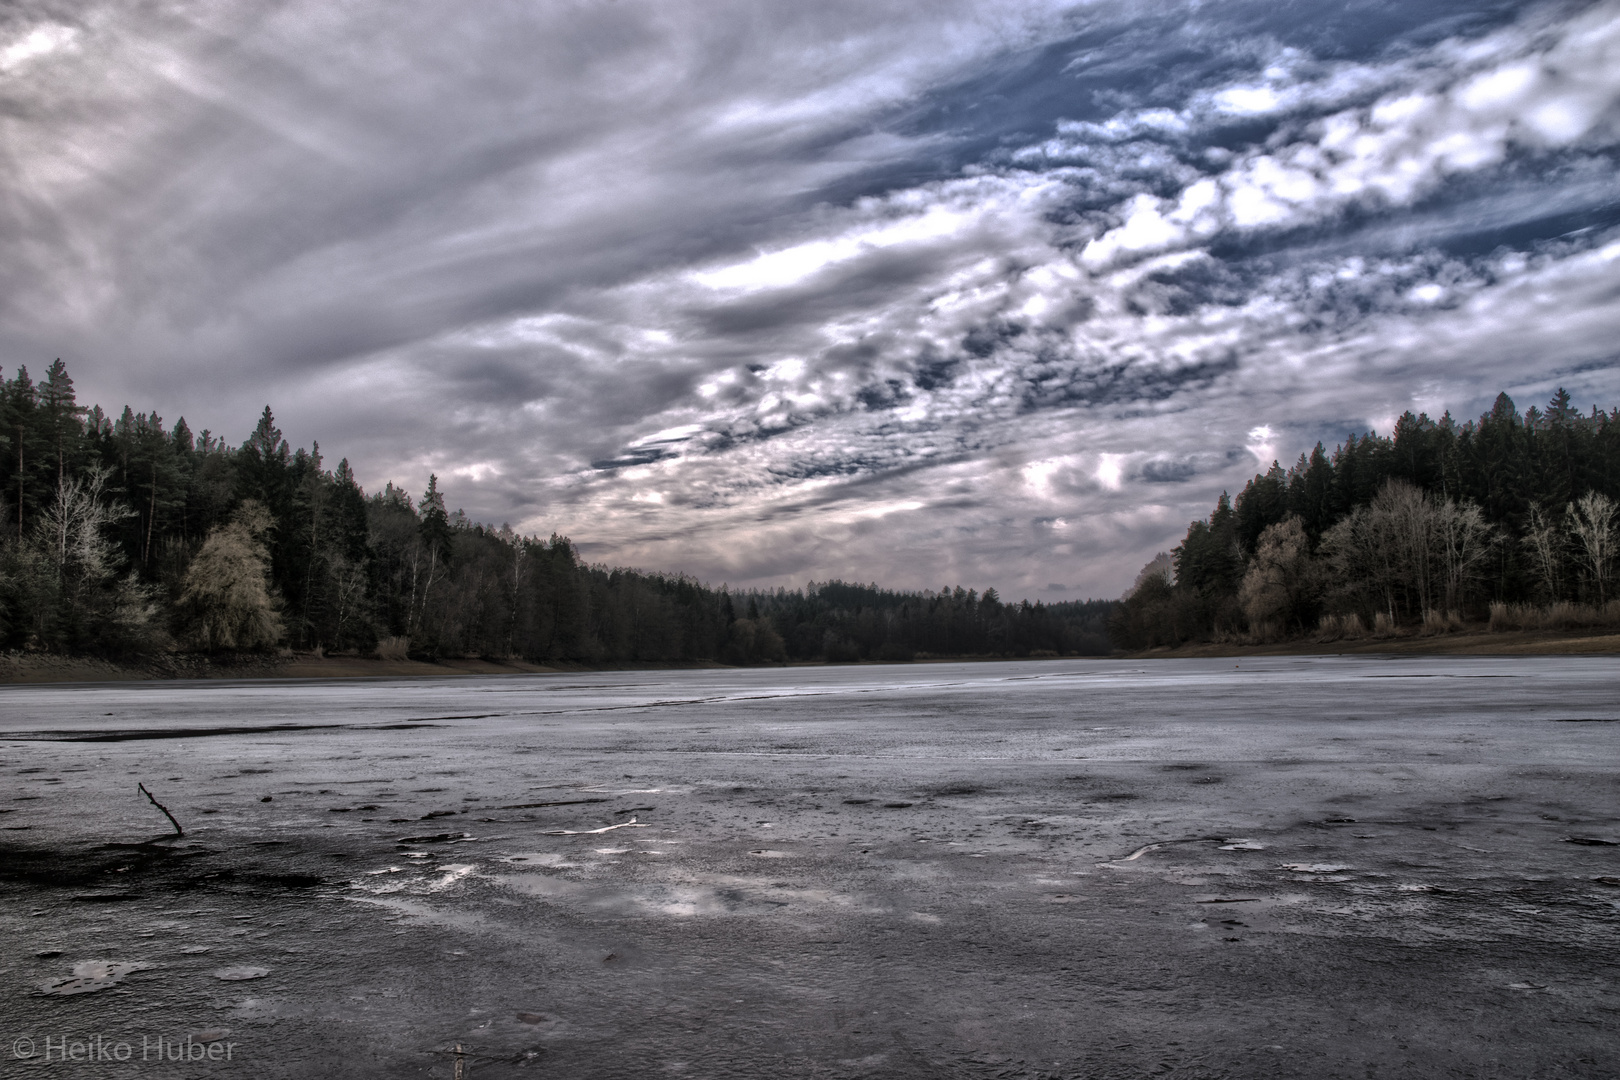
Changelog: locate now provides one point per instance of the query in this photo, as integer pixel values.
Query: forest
(1507, 522)
(128, 536)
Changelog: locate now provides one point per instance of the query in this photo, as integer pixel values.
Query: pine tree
(61, 418)
(22, 422)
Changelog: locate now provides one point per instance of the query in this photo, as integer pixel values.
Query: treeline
(1511, 518)
(839, 621)
(128, 535)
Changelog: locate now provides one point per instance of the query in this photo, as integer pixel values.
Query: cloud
(1527, 89)
(41, 40)
(999, 295)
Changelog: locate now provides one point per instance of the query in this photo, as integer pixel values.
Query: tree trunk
(151, 518)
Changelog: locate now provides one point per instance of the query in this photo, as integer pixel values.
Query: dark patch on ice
(165, 733)
(463, 716)
(960, 789)
(1231, 900)
(143, 734)
(121, 872)
(290, 881)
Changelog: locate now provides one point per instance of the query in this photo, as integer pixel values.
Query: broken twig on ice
(178, 831)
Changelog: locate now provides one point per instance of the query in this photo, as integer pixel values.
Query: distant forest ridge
(1509, 520)
(123, 536)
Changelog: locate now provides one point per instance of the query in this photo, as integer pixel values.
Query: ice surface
(895, 871)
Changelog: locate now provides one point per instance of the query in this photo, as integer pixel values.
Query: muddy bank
(33, 667)
(1477, 642)
(50, 668)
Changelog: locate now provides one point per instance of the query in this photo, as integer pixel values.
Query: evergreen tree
(60, 417)
(25, 449)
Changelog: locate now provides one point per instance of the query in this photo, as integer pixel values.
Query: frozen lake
(1296, 867)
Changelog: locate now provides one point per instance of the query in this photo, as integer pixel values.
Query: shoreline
(45, 668)
(1475, 642)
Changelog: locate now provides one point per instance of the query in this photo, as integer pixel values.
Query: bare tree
(1407, 522)
(1277, 577)
(72, 525)
(1546, 544)
(70, 536)
(1463, 539)
(1592, 521)
(1361, 556)
(1405, 551)
(348, 590)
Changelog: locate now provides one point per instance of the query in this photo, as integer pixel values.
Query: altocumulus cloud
(922, 293)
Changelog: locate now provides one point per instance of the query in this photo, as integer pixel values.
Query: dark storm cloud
(766, 292)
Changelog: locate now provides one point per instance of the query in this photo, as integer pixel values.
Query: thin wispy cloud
(919, 293)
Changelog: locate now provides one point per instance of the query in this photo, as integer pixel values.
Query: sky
(995, 294)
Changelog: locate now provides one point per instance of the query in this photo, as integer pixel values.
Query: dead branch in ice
(178, 831)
